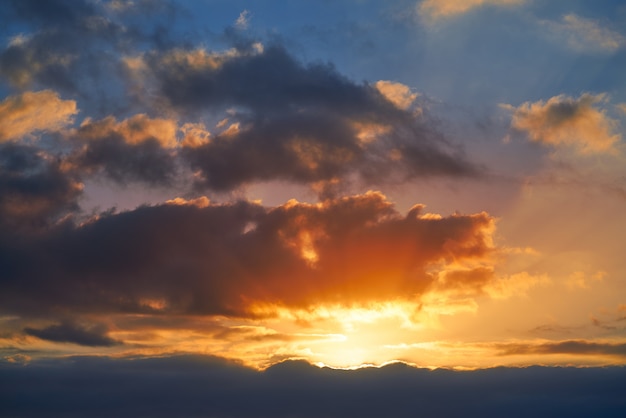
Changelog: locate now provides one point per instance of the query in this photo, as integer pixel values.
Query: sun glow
(359, 333)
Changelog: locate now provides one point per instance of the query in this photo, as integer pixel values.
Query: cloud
(243, 21)
(304, 126)
(580, 280)
(437, 9)
(134, 130)
(582, 34)
(574, 347)
(291, 121)
(29, 112)
(567, 121)
(35, 191)
(136, 149)
(65, 43)
(53, 12)
(209, 386)
(397, 93)
(89, 335)
(226, 259)
(74, 47)
(517, 284)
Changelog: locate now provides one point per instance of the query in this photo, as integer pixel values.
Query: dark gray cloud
(298, 122)
(68, 49)
(196, 386)
(50, 12)
(90, 335)
(147, 162)
(34, 190)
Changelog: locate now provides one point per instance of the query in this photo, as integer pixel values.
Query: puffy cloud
(563, 120)
(437, 9)
(584, 34)
(35, 191)
(29, 112)
(90, 335)
(194, 134)
(291, 121)
(63, 47)
(136, 149)
(397, 93)
(225, 259)
(134, 130)
(304, 123)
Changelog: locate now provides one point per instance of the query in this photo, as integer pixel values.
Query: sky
(427, 193)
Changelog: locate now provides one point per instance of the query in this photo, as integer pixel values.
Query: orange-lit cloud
(397, 93)
(30, 112)
(566, 121)
(436, 9)
(194, 134)
(134, 130)
(201, 202)
(580, 280)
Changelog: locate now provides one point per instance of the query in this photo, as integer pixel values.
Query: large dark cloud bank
(194, 386)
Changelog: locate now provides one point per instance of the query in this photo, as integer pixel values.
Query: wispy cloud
(243, 21)
(585, 35)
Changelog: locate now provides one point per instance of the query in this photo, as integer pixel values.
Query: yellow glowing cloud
(397, 93)
(436, 9)
(563, 120)
(200, 202)
(29, 112)
(517, 284)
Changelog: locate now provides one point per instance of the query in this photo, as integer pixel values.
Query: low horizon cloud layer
(200, 386)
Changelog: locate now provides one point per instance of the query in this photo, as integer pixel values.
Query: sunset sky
(440, 183)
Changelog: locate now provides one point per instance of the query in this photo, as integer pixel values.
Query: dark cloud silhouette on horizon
(208, 386)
